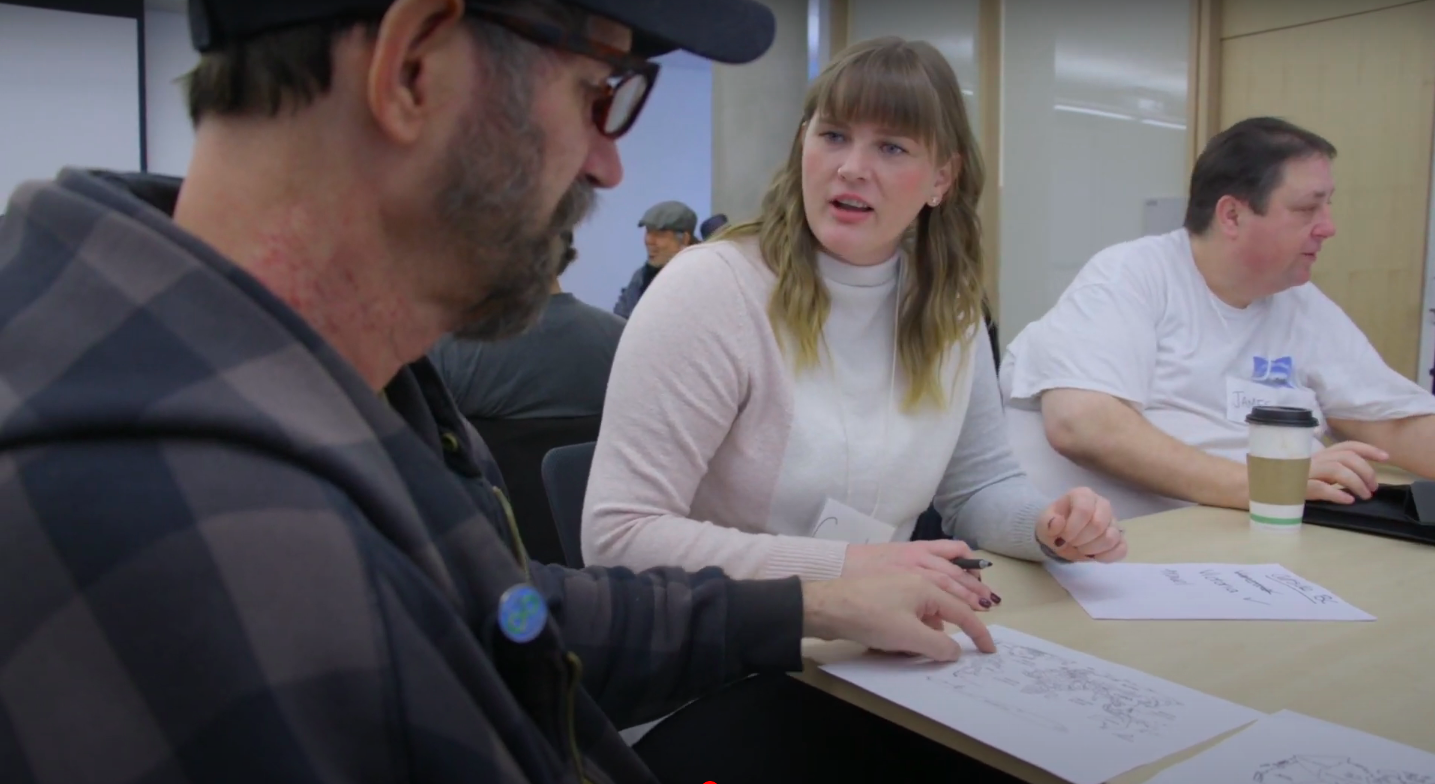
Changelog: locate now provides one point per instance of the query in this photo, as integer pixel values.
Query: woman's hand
(929, 559)
(1079, 526)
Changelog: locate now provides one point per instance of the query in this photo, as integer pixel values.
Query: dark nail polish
(984, 603)
(1060, 542)
(996, 599)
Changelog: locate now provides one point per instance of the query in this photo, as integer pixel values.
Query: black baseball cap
(728, 31)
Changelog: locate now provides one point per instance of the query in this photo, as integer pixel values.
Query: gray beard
(490, 203)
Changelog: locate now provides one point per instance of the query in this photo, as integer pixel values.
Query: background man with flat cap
(247, 536)
(669, 226)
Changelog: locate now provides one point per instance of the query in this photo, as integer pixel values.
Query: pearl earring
(935, 201)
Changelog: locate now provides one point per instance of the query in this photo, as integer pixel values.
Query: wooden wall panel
(1203, 111)
(1244, 17)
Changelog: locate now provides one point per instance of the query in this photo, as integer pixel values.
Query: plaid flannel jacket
(222, 558)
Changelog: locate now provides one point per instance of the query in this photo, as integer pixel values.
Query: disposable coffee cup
(1278, 465)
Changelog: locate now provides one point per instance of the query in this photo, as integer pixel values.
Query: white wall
(667, 155)
(168, 56)
(951, 26)
(756, 111)
(1093, 124)
(69, 88)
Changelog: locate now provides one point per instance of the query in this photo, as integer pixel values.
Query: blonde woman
(790, 397)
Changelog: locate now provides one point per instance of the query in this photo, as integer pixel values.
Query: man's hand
(929, 559)
(1079, 526)
(1346, 464)
(894, 612)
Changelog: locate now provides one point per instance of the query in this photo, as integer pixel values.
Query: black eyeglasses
(615, 111)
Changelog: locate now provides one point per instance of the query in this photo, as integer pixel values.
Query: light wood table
(1378, 677)
(1391, 475)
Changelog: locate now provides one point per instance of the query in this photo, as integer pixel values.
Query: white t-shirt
(1139, 323)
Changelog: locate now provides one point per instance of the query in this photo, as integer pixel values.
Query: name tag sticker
(841, 523)
(1242, 395)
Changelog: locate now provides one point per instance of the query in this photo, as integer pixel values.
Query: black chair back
(519, 447)
(565, 475)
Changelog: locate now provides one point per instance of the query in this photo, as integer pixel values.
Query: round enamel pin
(522, 613)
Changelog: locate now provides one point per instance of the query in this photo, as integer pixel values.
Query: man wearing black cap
(244, 533)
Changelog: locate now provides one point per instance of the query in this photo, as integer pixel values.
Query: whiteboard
(1093, 124)
(1163, 214)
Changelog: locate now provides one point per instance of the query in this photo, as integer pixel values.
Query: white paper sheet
(1082, 718)
(1289, 748)
(1234, 592)
(841, 523)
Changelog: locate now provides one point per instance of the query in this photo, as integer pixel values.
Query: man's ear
(418, 65)
(1230, 212)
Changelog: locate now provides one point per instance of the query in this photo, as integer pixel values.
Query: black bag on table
(1398, 511)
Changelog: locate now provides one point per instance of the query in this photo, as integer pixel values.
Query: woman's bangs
(888, 89)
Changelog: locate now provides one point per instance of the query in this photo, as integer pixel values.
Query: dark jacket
(629, 296)
(223, 558)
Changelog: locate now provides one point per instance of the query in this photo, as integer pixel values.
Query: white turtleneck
(846, 412)
(715, 451)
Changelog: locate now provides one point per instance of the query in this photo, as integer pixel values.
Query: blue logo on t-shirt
(1274, 372)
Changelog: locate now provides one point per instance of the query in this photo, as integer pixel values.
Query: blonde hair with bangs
(908, 87)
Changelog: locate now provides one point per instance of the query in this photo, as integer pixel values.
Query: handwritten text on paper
(1130, 591)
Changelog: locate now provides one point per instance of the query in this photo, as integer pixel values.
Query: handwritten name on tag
(841, 523)
(1242, 395)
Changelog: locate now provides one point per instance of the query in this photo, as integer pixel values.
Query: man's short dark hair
(1246, 161)
(293, 67)
(261, 76)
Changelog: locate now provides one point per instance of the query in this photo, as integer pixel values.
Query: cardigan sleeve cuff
(810, 559)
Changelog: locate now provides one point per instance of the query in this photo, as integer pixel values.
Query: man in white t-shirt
(1138, 381)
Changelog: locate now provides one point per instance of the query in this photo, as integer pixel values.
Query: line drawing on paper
(1332, 769)
(1114, 705)
(1025, 715)
(823, 523)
